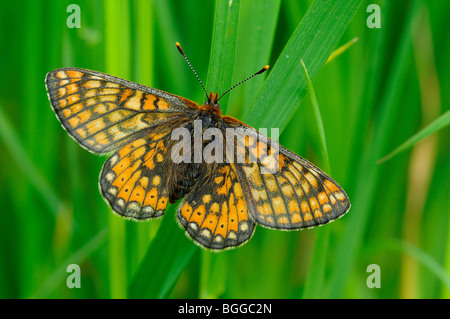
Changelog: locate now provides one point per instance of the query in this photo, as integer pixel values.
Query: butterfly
(223, 200)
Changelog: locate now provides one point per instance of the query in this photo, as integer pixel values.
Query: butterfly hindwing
(215, 215)
(103, 113)
(134, 180)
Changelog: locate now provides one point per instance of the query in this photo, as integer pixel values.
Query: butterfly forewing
(103, 113)
(284, 190)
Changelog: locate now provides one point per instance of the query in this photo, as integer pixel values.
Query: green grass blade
(369, 173)
(421, 256)
(21, 158)
(223, 48)
(257, 25)
(446, 293)
(438, 124)
(341, 50)
(429, 262)
(117, 61)
(79, 257)
(315, 278)
(213, 274)
(144, 62)
(314, 284)
(167, 256)
(170, 33)
(313, 41)
(318, 123)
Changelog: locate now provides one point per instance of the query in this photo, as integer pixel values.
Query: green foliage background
(388, 86)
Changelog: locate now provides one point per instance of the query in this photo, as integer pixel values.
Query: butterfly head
(211, 104)
(213, 99)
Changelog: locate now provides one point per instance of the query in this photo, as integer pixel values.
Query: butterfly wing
(103, 113)
(215, 215)
(285, 191)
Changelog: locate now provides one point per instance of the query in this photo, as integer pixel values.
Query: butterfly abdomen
(183, 180)
(185, 174)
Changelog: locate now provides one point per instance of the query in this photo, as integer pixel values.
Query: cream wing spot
(231, 235)
(113, 191)
(205, 233)
(113, 159)
(193, 226)
(156, 180)
(120, 202)
(243, 226)
(110, 176)
(148, 210)
(134, 206)
(339, 196)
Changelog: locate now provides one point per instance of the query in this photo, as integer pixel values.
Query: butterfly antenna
(236, 85)
(189, 63)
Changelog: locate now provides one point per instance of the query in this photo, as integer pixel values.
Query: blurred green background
(389, 85)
